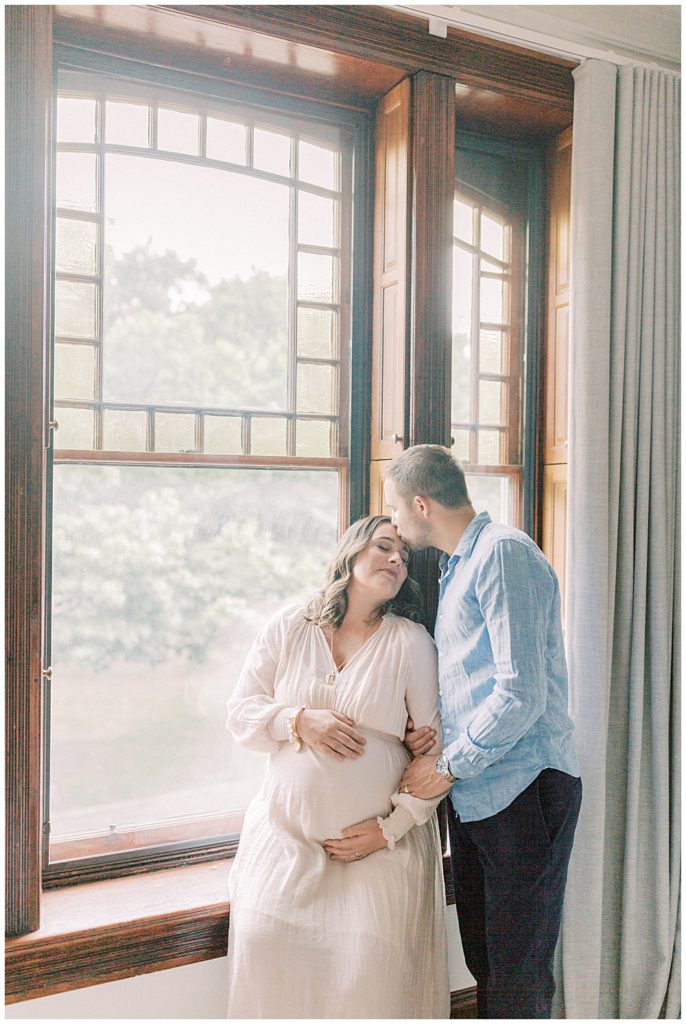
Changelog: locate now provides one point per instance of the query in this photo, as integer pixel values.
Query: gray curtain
(618, 952)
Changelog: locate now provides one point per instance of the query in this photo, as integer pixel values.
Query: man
(508, 760)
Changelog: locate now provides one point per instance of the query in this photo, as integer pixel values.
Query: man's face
(411, 527)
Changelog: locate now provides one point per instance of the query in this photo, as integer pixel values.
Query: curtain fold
(620, 927)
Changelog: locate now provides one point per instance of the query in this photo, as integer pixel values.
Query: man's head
(423, 482)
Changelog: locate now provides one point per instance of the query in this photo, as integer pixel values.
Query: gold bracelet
(294, 738)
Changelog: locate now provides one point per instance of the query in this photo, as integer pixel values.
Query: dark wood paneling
(377, 34)
(433, 184)
(27, 99)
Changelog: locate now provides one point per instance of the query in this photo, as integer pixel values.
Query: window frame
(353, 358)
(526, 497)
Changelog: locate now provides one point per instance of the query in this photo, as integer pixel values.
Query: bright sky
(228, 222)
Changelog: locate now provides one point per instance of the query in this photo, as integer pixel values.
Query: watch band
(443, 768)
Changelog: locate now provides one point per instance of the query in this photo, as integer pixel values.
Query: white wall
(196, 992)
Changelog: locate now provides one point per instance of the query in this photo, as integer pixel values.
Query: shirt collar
(467, 541)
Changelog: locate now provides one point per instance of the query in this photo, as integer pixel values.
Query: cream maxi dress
(312, 937)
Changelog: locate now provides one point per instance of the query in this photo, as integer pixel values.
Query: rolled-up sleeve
(514, 590)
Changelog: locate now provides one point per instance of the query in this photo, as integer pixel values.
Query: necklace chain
(337, 669)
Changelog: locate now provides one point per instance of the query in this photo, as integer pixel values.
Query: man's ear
(422, 506)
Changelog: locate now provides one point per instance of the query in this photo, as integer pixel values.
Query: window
(201, 458)
(491, 214)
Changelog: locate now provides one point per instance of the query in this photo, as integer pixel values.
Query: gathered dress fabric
(310, 937)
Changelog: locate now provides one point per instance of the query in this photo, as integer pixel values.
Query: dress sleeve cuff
(394, 827)
(278, 727)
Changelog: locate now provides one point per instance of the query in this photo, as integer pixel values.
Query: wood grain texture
(377, 34)
(430, 341)
(390, 278)
(554, 544)
(28, 90)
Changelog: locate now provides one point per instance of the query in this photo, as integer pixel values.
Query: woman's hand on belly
(330, 733)
(358, 841)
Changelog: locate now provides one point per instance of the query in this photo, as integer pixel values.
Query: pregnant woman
(337, 901)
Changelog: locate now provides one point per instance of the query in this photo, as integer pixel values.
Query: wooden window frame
(162, 847)
(526, 489)
(356, 38)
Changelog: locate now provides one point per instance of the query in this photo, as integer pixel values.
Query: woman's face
(380, 569)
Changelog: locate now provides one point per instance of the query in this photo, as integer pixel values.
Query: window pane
(493, 300)
(268, 436)
(317, 165)
(226, 140)
(162, 578)
(76, 185)
(463, 221)
(272, 151)
(315, 277)
(174, 432)
(124, 430)
(76, 246)
(493, 237)
(316, 336)
(126, 124)
(223, 435)
(491, 351)
(461, 445)
(492, 402)
(462, 328)
(75, 309)
(313, 438)
(316, 388)
(490, 494)
(178, 131)
(316, 219)
(490, 448)
(196, 296)
(74, 371)
(75, 119)
(76, 428)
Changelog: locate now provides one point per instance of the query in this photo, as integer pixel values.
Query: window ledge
(114, 929)
(105, 931)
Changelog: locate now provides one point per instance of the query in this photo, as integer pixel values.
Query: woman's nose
(394, 557)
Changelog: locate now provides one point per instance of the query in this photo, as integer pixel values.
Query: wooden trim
(433, 164)
(186, 459)
(430, 338)
(391, 286)
(463, 1004)
(403, 40)
(28, 118)
(558, 298)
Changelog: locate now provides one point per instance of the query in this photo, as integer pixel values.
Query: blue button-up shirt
(502, 669)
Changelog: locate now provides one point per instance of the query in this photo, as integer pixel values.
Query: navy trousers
(510, 872)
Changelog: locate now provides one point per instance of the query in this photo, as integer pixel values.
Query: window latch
(47, 673)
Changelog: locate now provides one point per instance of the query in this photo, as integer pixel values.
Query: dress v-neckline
(335, 670)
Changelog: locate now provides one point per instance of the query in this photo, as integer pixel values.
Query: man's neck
(448, 530)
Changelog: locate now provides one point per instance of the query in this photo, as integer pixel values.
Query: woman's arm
(254, 718)
(421, 697)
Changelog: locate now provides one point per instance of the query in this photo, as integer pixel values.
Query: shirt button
(448, 731)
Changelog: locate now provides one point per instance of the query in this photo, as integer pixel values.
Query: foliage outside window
(200, 459)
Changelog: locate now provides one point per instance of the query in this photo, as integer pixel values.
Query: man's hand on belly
(358, 841)
(421, 779)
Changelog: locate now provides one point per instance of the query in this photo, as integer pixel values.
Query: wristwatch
(443, 768)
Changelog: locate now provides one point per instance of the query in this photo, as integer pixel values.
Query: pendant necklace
(333, 675)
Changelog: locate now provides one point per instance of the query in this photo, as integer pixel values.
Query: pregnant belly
(321, 795)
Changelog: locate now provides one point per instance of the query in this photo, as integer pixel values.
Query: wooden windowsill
(108, 930)
(105, 931)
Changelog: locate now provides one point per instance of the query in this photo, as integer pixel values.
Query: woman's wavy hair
(330, 603)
